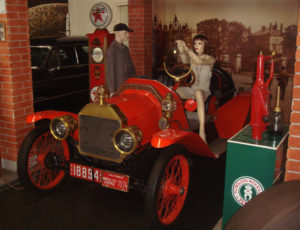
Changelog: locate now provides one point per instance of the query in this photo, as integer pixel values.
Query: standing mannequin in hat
(119, 66)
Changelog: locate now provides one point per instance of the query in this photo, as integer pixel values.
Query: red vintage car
(143, 138)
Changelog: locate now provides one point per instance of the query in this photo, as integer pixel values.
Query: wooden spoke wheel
(167, 188)
(41, 160)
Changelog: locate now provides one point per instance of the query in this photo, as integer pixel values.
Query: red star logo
(97, 14)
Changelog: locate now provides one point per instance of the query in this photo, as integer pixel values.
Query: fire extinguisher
(260, 98)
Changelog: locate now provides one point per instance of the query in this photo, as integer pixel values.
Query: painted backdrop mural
(237, 29)
(47, 17)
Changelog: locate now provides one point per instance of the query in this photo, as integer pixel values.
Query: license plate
(105, 178)
(115, 181)
(85, 172)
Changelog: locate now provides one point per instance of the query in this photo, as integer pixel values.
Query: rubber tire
(153, 185)
(22, 160)
(276, 208)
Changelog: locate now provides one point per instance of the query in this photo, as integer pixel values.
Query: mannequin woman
(202, 67)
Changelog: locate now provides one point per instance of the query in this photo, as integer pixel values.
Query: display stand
(251, 167)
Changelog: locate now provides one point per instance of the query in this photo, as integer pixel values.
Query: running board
(218, 146)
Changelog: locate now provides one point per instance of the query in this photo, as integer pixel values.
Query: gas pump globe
(98, 43)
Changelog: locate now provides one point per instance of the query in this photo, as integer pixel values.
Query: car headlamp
(62, 127)
(168, 105)
(126, 140)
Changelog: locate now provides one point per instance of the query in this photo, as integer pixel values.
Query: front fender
(47, 114)
(51, 114)
(190, 140)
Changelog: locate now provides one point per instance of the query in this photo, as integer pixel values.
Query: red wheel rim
(173, 189)
(39, 172)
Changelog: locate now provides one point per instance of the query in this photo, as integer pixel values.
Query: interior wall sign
(2, 7)
(101, 15)
(2, 32)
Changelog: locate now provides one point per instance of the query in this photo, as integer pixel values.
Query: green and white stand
(251, 167)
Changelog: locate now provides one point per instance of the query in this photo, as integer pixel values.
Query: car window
(83, 54)
(66, 56)
(53, 60)
(38, 55)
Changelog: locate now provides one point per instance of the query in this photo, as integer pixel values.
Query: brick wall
(293, 154)
(15, 73)
(140, 44)
(15, 81)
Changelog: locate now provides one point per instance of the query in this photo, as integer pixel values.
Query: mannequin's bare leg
(201, 113)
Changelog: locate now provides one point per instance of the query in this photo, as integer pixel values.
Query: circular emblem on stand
(101, 15)
(245, 188)
(97, 55)
(94, 96)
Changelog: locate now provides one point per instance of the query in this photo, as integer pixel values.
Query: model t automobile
(140, 138)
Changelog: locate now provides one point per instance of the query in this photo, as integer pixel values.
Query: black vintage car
(60, 72)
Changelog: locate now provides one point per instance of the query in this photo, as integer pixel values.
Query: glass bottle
(276, 118)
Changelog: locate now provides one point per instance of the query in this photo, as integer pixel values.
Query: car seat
(221, 87)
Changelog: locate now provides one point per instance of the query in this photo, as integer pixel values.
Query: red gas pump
(98, 43)
(260, 98)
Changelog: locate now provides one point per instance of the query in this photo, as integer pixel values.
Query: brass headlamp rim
(66, 121)
(134, 132)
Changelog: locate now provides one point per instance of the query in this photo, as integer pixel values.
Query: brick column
(293, 154)
(16, 81)
(140, 43)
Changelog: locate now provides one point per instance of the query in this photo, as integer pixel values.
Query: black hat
(122, 26)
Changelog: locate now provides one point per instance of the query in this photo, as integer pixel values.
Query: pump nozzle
(277, 107)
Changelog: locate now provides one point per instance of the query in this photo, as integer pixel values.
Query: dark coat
(119, 66)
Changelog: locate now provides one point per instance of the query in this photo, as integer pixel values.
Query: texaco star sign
(101, 15)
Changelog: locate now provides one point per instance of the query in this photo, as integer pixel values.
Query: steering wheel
(181, 76)
(189, 80)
